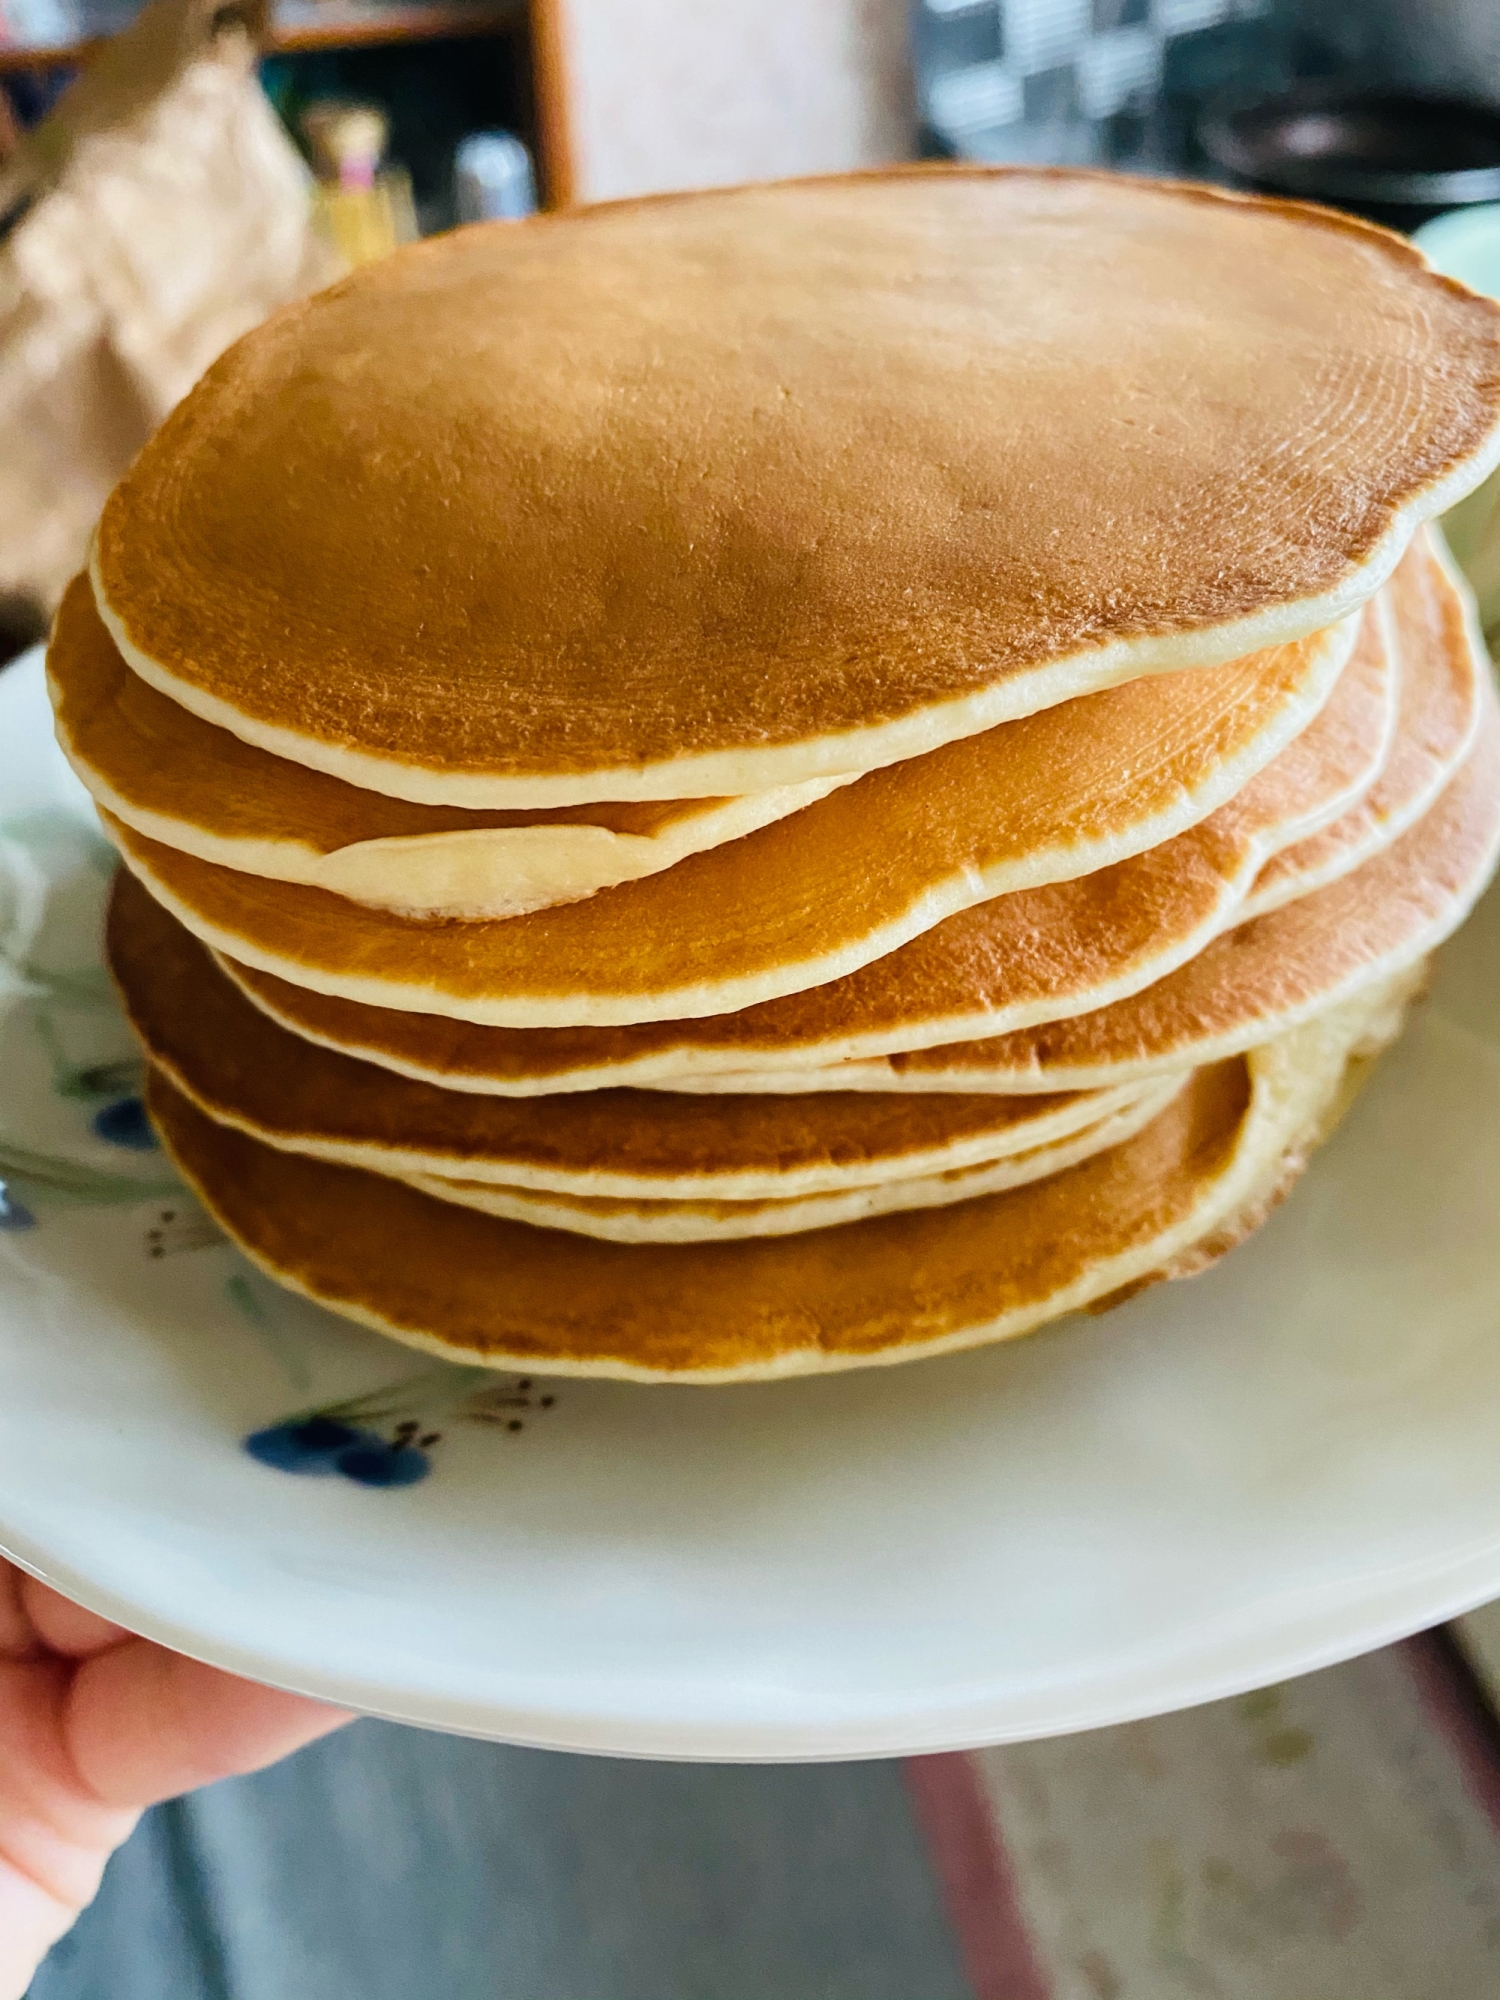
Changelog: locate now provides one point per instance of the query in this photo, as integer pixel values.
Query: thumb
(144, 1724)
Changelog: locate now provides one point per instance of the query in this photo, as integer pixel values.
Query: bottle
(363, 204)
(492, 178)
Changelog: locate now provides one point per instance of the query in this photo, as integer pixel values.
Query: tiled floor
(1337, 1837)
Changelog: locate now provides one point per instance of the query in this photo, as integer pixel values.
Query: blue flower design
(381, 1464)
(310, 1446)
(320, 1445)
(349, 1440)
(124, 1123)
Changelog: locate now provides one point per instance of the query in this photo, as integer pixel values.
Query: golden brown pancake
(1444, 669)
(1260, 979)
(1053, 795)
(1444, 680)
(895, 1288)
(184, 782)
(1017, 959)
(705, 1220)
(1020, 959)
(243, 1069)
(850, 879)
(705, 494)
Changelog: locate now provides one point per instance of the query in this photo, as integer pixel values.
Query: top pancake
(701, 495)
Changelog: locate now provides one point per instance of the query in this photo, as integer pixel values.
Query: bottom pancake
(894, 1288)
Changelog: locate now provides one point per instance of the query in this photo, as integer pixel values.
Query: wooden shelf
(325, 24)
(347, 24)
(19, 55)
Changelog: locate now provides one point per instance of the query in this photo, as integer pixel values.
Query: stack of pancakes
(764, 781)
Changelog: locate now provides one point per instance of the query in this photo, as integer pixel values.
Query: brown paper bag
(156, 215)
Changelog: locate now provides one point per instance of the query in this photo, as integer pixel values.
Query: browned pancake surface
(753, 467)
(1040, 947)
(477, 1286)
(158, 756)
(849, 879)
(236, 1062)
(1071, 776)
(1044, 949)
(1419, 869)
(1257, 978)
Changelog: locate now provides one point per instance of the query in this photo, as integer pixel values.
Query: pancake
(1017, 959)
(895, 1288)
(1036, 800)
(1262, 978)
(244, 1070)
(198, 788)
(1444, 668)
(1444, 674)
(701, 495)
(852, 878)
(1038, 956)
(706, 1220)
(183, 782)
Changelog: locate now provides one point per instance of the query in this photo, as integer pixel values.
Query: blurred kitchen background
(170, 175)
(1381, 104)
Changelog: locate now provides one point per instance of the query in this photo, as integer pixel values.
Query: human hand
(94, 1726)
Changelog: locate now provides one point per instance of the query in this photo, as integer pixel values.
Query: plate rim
(890, 1736)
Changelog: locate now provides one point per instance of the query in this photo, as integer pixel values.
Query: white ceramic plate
(1227, 1481)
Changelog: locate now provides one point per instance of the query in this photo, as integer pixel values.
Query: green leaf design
(81, 986)
(117, 1077)
(52, 1174)
(431, 1392)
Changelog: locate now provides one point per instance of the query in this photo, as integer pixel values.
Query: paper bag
(156, 215)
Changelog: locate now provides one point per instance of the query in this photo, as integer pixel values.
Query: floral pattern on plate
(386, 1438)
(85, 1138)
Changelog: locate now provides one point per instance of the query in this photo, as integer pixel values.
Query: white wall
(691, 93)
